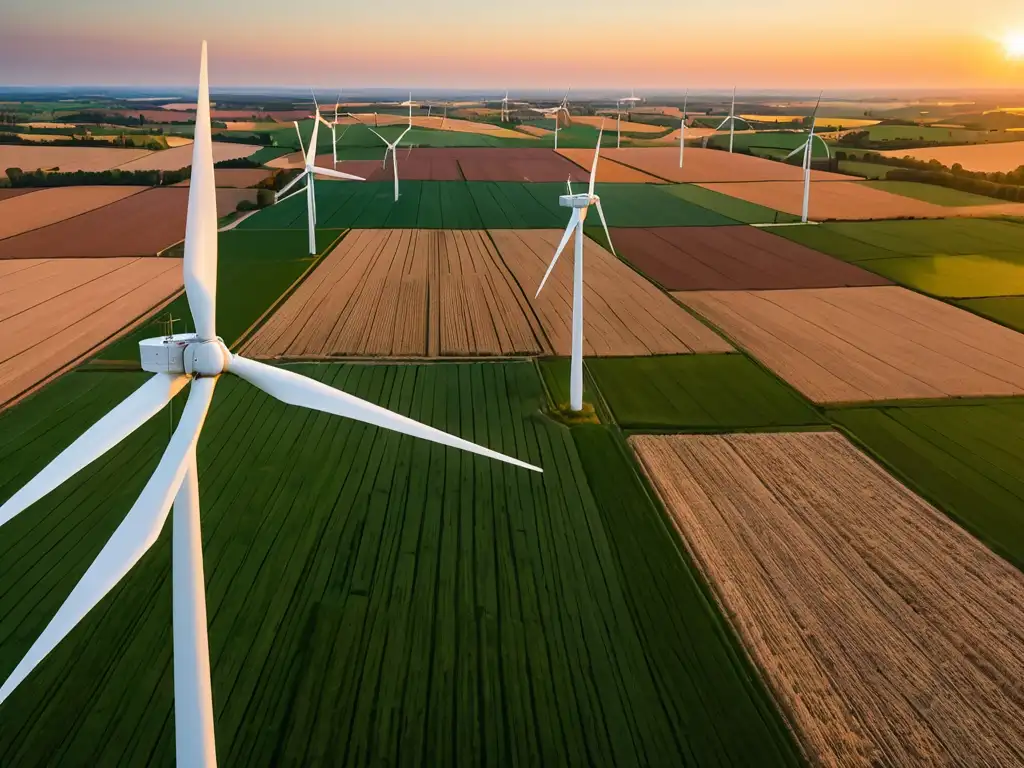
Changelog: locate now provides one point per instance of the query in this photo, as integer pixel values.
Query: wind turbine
(731, 120)
(197, 360)
(556, 111)
(808, 149)
(309, 170)
(504, 108)
(580, 204)
(334, 127)
(392, 147)
(682, 128)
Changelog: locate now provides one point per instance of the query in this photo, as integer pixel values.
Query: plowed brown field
(706, 165)
(48, 206)
(889, 635)
(860, 344)
(471, 164)
(623, 313)
(140, 225)
(609, 170)
(31, 158)
(55, 312)
(181, 157)
(732, 258)
(405, 293)
(235, 178)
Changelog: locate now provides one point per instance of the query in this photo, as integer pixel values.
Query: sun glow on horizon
(1013, 44)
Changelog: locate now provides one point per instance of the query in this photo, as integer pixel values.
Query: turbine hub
(581, 200)
(184, 353)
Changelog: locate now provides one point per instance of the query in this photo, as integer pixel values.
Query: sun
(1013, 44)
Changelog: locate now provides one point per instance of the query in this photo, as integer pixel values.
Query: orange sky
(523, 43)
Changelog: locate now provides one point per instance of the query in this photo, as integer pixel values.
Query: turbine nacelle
(184, 353)
(581, 200)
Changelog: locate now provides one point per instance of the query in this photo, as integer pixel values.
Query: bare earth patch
(874, 343)
(623, 313)
(67, 159)
(889, 635)
(53, 313)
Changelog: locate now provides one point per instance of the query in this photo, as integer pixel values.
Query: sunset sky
(518, 43)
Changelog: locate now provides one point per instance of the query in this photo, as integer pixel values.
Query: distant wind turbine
(309, 170)
(808, 149)
(555, 112)
(196, 360)
(682, 128)
(731, 120)
(392, 147)
(580, 204)
(504, 108)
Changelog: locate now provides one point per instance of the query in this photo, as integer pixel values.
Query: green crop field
(254, 269)
(930, 193)
(697, 393)
(826, 239)
(1008, 310)
(476, 205)
(941, 135)
(731, 207)
(966, 458)
(867, 170)
(768, 140)
(953, 277)
(376, 599)
(264, 154)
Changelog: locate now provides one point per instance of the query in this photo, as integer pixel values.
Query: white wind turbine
(580, 204)
(808, 149)
(504, 108)
(732, 120)
(197, 360)
(309, 170)
(682, 127)
(392, 146)
(556, 112)
(334, 129)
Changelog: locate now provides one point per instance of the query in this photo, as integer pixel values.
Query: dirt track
(623, 313)
(732, 258)
(54, 312)
(889, 635)
(876, 343)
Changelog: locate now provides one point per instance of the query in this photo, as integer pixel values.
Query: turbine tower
(196, 360)
(504, 108)
(682, 127)
(580, 204)
(808, 149)
(731, 120)
(309, 170)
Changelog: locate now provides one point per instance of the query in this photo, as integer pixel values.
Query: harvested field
(53, 313)
(31, 158)
(394, 600)
(843, 201)
(236, 178)
(732, 258)
(607, 170)
(692, 133)
(696, 392)
(700, 165)
(889, 635)
(985, 158)
(623, 313)
(609, 123)
(140, 225)
(859, 344)
(535, 130)
(48, 206)
(399, 293)
(6, 193)
(965, 457)
(181, 157)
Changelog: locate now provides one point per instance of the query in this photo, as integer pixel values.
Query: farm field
(732, 207)
(767, 142)
(49, 205)
(963, 457)
(53, 313)
(609, 123)
(696, 392)
(1008, 310)
(962, 237)
(847, 200)
(930, 193)
(700, 165)
(985, 158)
(964, 137)
(31, 158)
(470, 164)
(453, 124)
(732, 258)
(181, 157)
(421, 605)
(425, 293)
(856, 607)
(955, 277)
(608, 170)
(238, 178)
(623, 312)
(140, 225)
(477, 205)
(877, 343)
(260, 267)
(866, 170)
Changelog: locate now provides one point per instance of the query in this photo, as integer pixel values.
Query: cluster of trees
(863, 140)
(10, 118)
(1005, 186)
(39, 178)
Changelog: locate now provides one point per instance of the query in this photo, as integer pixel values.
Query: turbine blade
(722, 124)
(130, 414)
(597, 156)
(311, 151)
(798, 149)
(132, 539)
(336, 174)
(200, 262)
(561, 247)
(293, 389)
(604, 223)
(379, 137)
(299, 134)
(298, 191)
(814, 114)
(402, 136)
(828, 152)
(291, 184)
